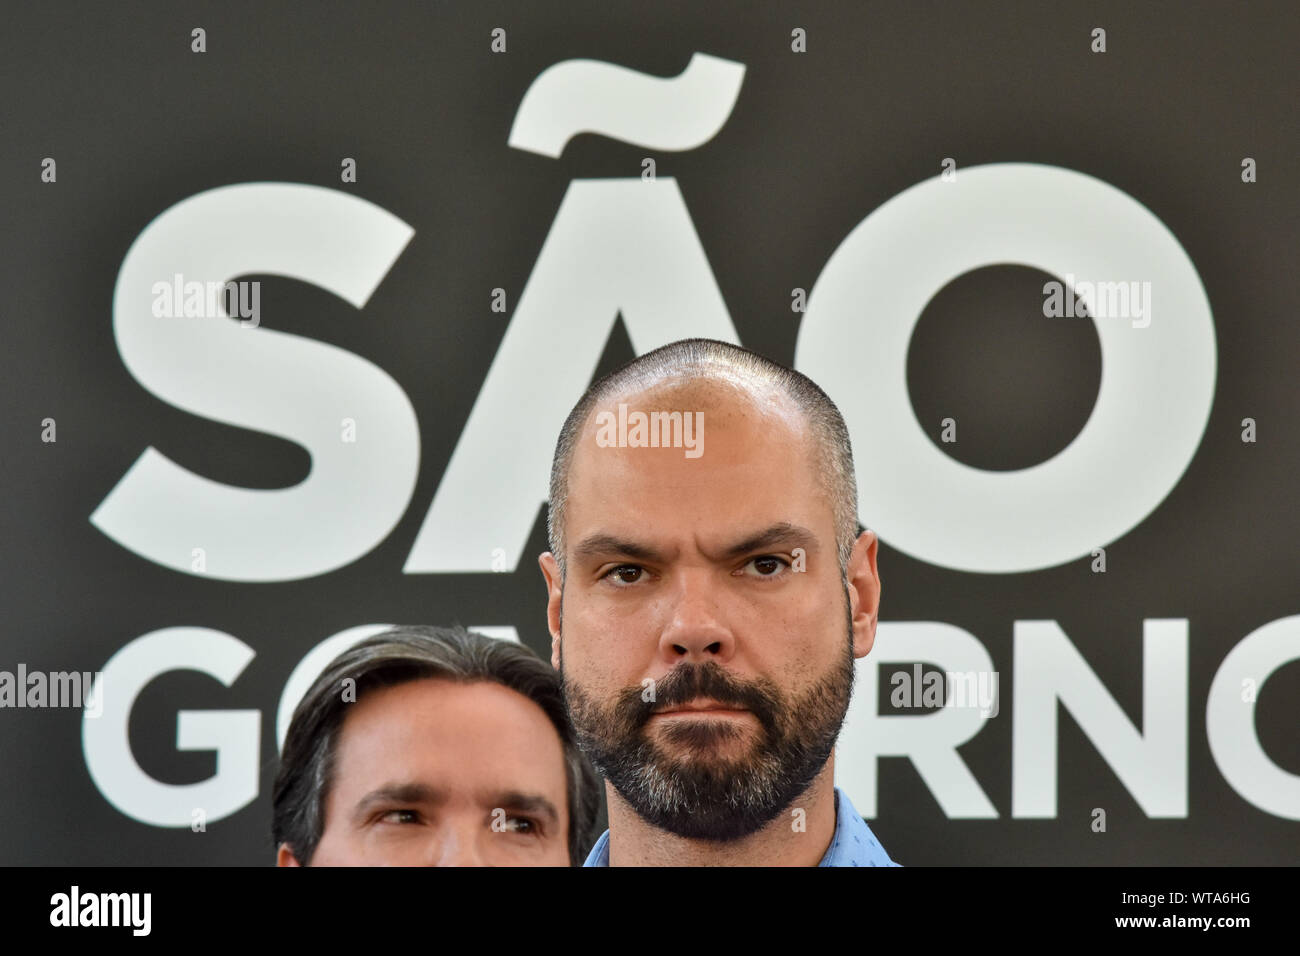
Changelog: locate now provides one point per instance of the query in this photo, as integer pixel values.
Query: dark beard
(697, 796)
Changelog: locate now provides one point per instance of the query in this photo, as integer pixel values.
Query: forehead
(759, 463)
(475, 737)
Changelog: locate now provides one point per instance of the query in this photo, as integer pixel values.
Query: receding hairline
(709, 371)
(699, 392)
(713, 396)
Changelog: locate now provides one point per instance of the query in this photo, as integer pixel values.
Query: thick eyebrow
(781, 533)
(397, 793)
(605, 545)
(527, 803)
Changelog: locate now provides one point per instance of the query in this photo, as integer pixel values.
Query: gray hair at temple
(692, 361)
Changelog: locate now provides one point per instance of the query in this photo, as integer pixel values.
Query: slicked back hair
(394, 657)
(700, 361)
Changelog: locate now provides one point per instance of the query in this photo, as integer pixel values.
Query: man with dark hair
(433, 746)
(706, 603)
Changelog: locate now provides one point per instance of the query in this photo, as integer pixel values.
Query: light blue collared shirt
(852, 845)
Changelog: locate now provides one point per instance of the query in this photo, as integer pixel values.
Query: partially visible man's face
(438, 773)
(707, 678)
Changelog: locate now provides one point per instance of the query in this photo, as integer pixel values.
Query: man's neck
(794, 838)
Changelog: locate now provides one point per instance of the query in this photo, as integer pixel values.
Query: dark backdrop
(815, 142)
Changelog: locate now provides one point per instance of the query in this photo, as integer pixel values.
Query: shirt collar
(853, 843)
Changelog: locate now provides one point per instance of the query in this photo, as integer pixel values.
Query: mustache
(686, 682)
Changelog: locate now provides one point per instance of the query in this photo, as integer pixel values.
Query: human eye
(400, 816)
(623, 575)
(526, 826)
(766, 566)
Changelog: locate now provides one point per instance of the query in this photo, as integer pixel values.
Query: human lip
(701, 707)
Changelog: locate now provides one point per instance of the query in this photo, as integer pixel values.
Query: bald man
(708, 594)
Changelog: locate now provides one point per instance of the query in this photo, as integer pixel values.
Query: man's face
(437, 773)
(707, 660)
